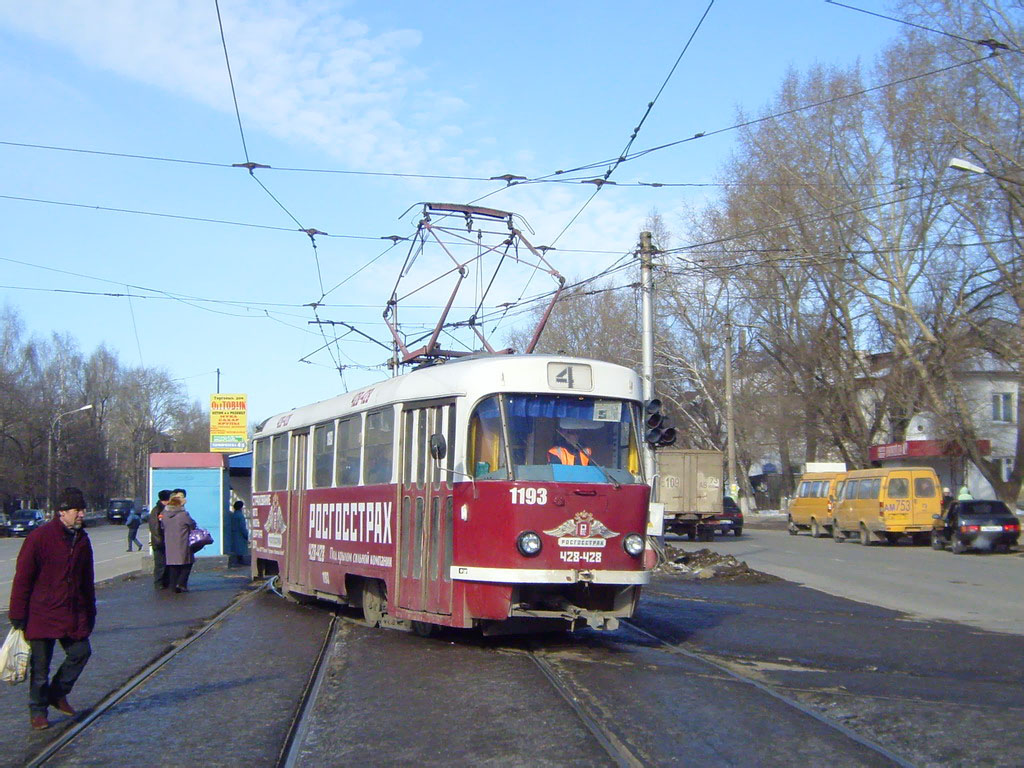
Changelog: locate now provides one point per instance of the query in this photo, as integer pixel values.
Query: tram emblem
(582, 530)
(276, 525)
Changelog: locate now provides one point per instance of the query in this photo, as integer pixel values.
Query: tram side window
(486, 442)
(380, 438)
(323, 455)
(261, 462)
(279, 463)
(349, 445)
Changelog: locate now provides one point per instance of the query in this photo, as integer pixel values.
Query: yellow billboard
(228, 423)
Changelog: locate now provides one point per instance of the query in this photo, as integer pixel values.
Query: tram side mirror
(438, 447)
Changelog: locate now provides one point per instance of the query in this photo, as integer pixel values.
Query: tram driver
(569, 448)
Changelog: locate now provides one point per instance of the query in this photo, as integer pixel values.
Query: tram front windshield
(554, 438)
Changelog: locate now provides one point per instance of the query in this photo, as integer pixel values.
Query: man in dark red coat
(53, 598)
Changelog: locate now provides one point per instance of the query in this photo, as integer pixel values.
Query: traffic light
(659, 431)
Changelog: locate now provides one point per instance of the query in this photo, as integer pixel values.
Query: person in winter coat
(965, 494)
(156, 540)
(132, 523)
(177, 524)
(239, 534)
(53, 598)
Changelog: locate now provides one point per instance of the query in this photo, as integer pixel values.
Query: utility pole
(730, 423)
(647, 334)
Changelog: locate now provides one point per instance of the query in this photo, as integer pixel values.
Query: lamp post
(49, 451)
(959, 164)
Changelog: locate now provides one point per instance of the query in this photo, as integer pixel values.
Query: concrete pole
(730, 424)
(647, 345)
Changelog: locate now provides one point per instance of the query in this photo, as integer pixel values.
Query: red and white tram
(430, 498)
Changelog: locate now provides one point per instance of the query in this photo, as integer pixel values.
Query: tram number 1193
(529, 495)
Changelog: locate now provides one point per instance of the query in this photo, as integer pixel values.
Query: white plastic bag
(14, 656)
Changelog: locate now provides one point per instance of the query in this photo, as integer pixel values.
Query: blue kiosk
(205, 478)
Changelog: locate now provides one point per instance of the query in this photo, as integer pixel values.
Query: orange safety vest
(568, 456)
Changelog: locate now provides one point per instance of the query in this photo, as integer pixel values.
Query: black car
(119, 509)
(23, 521)
(983, 524)
(731, 518)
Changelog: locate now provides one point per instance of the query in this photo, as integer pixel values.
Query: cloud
(302, 71)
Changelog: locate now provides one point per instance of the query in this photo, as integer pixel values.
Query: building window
(1002, 407)
(1005, 466)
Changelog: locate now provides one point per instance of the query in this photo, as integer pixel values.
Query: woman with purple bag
(178, 523)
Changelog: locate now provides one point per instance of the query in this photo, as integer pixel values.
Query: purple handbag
(199, 538)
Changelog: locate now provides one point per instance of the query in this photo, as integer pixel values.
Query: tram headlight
(633, 544)
(528, 544)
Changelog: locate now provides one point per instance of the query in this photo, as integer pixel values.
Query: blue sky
(449, 89)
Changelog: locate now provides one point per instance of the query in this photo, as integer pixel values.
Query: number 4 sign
(576, 376)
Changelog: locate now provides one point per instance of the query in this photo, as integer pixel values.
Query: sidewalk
(134, 625)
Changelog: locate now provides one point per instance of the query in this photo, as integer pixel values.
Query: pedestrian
(177, 524)
(132, 522)
(947, 499)
(156, 541)
(965, 494)
(53, 598)
(239, 534)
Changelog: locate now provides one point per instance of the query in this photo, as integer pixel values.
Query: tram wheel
(374, 602)
(423, 629)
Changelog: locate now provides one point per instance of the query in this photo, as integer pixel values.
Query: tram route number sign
(575, 376)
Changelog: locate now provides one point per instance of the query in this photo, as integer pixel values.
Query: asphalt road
(979, 589)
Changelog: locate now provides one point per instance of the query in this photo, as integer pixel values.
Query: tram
(432, 498)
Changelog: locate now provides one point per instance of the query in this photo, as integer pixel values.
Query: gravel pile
(705, 564)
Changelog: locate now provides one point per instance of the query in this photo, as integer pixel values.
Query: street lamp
(49, 450)
(959, 164)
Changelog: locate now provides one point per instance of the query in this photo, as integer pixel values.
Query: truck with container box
(690, 488)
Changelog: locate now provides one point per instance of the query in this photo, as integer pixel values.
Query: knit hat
(70, 498)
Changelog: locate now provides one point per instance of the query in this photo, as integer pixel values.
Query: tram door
(426, 516)
(296, 562)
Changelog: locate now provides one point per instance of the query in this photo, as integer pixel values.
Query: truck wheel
(737, 531)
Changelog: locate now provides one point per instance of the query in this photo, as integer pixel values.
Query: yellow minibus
(887, 503)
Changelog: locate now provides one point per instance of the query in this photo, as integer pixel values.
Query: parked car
(730, 519)
(983, 524)
(119, 509)
(23, 521)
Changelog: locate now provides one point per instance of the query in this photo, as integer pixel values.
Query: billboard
(228, 423)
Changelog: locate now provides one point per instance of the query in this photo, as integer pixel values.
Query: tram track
(771, 691)
(619, 752)
(292, 746)
(598, 717)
